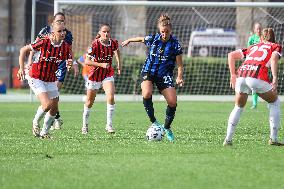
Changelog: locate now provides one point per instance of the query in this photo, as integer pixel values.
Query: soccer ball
(154, 133)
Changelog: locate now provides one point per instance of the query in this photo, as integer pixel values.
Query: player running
(59, 18)
(164, 53)
(101, 74)
(252, 75)
(52, 51)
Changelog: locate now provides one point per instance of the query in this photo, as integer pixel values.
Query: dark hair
(164, 20)
(59, 13)
(268, 35)
(102, 25)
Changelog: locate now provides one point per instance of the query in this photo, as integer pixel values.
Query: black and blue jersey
(161, 59)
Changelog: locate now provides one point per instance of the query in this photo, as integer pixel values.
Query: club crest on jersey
(161, 50)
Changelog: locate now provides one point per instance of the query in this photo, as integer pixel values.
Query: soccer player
(164, 53)
(253, 76)
(101, 74)
(58, 18)
(52, 51)
(254, 39)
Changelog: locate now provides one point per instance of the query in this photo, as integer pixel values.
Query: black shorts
(161, 82)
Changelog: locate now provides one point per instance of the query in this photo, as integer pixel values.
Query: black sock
(170, 115)
(57, 115)
(148, 105)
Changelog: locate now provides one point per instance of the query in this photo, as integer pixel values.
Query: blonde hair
(268, 35)
(164, 20)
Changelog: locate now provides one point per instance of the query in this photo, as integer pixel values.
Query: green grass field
(196, 159)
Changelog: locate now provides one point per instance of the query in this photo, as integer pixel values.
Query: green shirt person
(254, 39)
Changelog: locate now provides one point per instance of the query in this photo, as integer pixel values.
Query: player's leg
(60, 74)
(254, 100)
(92, 88)
(240, 101)
(171, 98)
(39, 88)
(242, 91)
(41, 112)
(147, 90)
(53, 95)
(109, 88)
(49, 117)
(274, 114)
(58, 121)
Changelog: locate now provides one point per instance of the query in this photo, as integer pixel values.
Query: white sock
(86, 115)
(38, 116)
(274, 119)
(110, 112)
(48, 120)
(233, 121)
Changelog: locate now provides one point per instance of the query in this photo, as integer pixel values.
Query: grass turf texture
(196, 159)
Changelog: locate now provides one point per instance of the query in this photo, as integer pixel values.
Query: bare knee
(110, 99)
(46, 106)
(147, 94)
(172, 103)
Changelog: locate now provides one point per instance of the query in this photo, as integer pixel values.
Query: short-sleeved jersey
(257, 60)
(254, 39)
(49, 57)
(101, 53)
(47, 30)
(161, 58)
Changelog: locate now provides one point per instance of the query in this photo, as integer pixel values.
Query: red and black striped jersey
(101, 53)
(257, 60)
(48, 59)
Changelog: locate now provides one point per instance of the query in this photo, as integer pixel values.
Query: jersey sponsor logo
(248, 67)
(105, 58)
(161, 57)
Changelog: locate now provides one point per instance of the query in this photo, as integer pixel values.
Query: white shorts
(94, 85)
(39, 86)
(249, 84)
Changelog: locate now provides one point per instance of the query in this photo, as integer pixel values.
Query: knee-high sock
(148, 105)
(48, 120)
(38, 116)
(233, 121)
(274, 119)
(170, 115)
(86, 114)
(254, 99)
(110, 112)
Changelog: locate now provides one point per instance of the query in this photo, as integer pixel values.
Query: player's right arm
(91, 62)
(232, 57)
(91, 58)
(135, 39)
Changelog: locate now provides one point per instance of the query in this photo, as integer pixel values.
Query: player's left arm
(118, 60)
(274, 70)
(179, 79)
